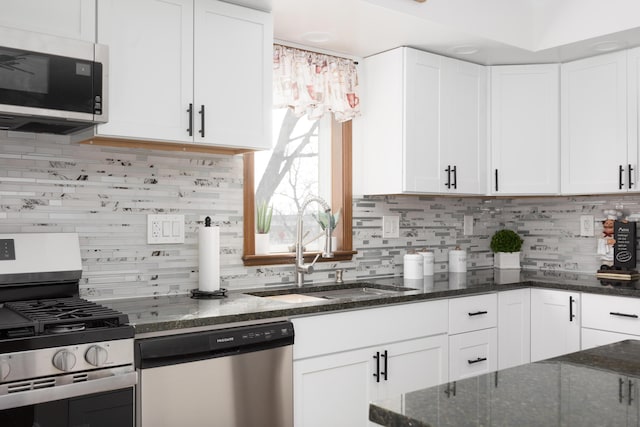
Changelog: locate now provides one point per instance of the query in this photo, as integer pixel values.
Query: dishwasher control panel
(183, 348)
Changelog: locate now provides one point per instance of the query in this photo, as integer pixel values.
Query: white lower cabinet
(607, 319)
(336, 389)
(514, 328)
(345, 360)
(555, 323)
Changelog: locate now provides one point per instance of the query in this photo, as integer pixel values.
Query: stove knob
(96, 355)
(64, 360)
(5, 369)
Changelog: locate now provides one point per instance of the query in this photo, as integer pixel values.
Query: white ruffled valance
(313, 83)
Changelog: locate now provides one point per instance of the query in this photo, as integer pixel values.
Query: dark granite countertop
(594, 387)
(168, 313)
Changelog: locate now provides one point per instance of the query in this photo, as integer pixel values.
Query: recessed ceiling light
(465, 49)
(316, 37)
(606, 46)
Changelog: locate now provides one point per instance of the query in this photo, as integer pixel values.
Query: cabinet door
(333, 390)
(534, 386)
(594, 338)
(151, 67)
(75, 19)
(633, 111)
(414, 365)
(233, 48)
(555, 323)
(594, 124)
(463, 123)
(525, 129)
(514, 328)
(422, 151)
(596, 398)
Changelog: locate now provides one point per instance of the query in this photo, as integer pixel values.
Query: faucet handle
(308, 268)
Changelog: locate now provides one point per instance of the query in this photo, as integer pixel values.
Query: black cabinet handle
(376, 375)
(620, 172)
(451, 389)
(190, 128)
(477, 313)
(571, 315)
(630, 183)
(620, 384)
(448, 171)
(479, 359)
(201, 121)
(386, 366)
(496, 179)
(615, 313)
(630, 398)
(455, 177)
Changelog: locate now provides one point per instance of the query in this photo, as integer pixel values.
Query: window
(307, 152)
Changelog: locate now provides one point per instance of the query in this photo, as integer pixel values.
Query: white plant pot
(506, 260)
(262, 243)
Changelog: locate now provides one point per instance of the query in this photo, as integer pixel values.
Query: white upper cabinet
(597, 156)
(425, 125)
(464, 126)
(525, 131)
(74, 19)
(633, 114)
(185, 71)
(151, 67)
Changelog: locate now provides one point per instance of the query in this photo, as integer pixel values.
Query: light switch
(165, 229)
(391, 227)
(586, 225)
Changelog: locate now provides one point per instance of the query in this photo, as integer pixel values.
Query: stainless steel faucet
(301, 267)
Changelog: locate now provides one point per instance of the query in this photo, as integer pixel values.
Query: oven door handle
(33, 397)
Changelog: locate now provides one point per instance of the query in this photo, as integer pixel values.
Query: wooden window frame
(341, 197)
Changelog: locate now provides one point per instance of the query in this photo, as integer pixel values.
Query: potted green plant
(506, 245)
(263, 226)
(327, 219)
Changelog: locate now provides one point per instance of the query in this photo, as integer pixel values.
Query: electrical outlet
(391, 227)
(586, 225)
(468, 225)
(165, 229)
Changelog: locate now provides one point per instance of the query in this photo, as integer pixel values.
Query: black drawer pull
(478, 313)
(479, 359)
(615, 313)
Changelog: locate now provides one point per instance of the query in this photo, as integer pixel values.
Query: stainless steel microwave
(51, 84)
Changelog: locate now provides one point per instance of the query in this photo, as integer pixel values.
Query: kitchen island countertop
(594, 387)
(164, 314)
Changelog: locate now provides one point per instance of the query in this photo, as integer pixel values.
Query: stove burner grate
(55, 315)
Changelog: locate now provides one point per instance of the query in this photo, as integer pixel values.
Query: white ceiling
(504, 31)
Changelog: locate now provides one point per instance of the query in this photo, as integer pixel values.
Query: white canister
(429, 259)
(458, 261)
(413, 266)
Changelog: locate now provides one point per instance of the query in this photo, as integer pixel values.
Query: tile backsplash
(48, 184)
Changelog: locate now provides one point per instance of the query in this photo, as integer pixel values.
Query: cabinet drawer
(472, 313)
(347, 330)
(473, 353)
(611, 313)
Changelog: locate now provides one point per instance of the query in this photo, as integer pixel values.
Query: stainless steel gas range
(64, 361)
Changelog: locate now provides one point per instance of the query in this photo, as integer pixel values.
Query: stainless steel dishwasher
(232, 377)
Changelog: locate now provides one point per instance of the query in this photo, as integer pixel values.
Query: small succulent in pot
(263, 219)
(326, 219)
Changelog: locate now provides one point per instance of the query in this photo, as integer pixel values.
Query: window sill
(290, 258)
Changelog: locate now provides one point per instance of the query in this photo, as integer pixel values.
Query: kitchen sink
(353, 291)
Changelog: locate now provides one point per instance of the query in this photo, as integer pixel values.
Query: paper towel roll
(413, 266)
(458, 261)
(209, 259)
